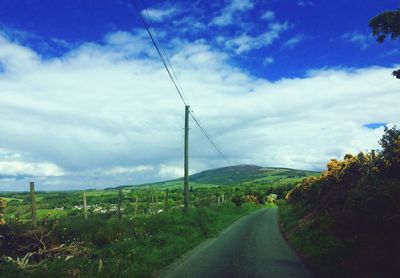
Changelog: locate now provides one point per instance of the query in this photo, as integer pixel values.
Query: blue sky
(315, 34)
(85, 101)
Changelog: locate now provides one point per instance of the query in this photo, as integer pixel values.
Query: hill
(233, 175)
(244, 173)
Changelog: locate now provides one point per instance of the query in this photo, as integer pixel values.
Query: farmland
(135, 235)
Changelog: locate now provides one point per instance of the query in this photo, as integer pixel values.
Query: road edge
(169, 268)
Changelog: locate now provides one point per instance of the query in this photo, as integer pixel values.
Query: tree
(385, 24)
(390, 143)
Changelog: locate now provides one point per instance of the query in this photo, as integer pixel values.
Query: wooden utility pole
(85, 205)
(33, 204)
(186, 160)
(119, 204)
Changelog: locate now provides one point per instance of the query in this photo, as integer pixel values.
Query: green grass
(42, 213)
(137, 247)
(9, 199)
(322, 252)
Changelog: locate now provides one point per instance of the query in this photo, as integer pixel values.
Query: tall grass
(133, 247)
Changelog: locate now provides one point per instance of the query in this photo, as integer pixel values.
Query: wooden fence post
(136, 205)
(156, 206)
(85, 210)
(166, 199)
(151, 203)
(119, 204)
(33, 204)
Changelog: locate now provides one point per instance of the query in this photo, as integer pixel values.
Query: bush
(352, 210)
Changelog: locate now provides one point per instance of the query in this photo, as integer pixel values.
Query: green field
(8, 199)
(152, 229)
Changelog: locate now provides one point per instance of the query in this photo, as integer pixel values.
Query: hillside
(233, 175)
(244, 173)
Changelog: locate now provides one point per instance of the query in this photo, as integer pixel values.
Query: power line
(197, 121)
(163, 49)
(166, 62)
(159, 52)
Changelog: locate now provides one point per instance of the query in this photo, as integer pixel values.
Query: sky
(85, 101)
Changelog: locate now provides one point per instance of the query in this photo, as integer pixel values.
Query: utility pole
(33, 204)
(186, 167)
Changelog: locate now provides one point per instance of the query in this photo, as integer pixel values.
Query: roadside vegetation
(346, 222)
(148, 232)
(109, 247)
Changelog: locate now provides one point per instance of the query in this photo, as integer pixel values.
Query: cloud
(294, 41)
(268, 15)
(189, 24)
(245, 43)
(158, 15)
(363, 41)
(106, 114)
(23, 168)
(304, 3)
(227, 13)
(269, 60)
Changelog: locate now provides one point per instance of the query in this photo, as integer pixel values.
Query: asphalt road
(251, 247)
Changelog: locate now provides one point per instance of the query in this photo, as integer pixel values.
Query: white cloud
(226, 17)
(292, 42)
(106, 114)
(245, 43)
(268, 15)
(158, 15)
(23, 168)
(168, 171)
(189, 24)
(363, 41)
(305, 3)
(269, 60)
(114, 171)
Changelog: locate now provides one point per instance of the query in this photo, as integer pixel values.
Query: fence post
(156, 206)
(151, 203)
(85, 211)
(136, 205)
(33, 204)
(120, 198)
(166, 199)
(373, 156)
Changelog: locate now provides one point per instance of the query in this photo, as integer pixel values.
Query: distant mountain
(244, 173)
(234, 175)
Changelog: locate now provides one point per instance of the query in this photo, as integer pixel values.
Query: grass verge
(131, 247)
(323, 253)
